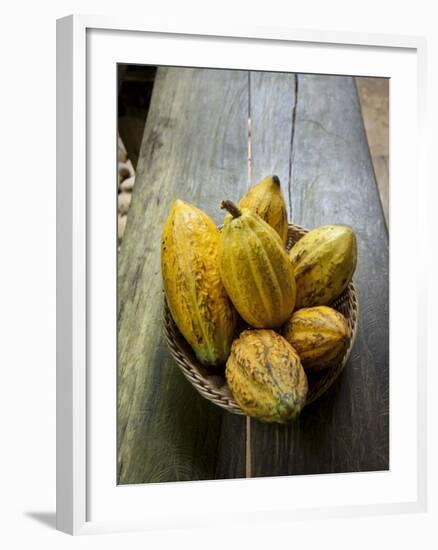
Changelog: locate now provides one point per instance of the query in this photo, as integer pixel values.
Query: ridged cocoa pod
(255, 269)
(324, 261)
(320, 336)
(266, 200)
(265, 376)
(194, 291)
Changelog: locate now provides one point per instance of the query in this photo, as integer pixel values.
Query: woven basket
(211, 383)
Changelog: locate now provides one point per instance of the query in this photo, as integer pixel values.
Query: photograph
(252, 273)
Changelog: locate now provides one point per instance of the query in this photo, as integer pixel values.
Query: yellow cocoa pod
(324, 261)
(194, 291)
(319, 335)
(265, 376)
(266, 199)
(255, 269)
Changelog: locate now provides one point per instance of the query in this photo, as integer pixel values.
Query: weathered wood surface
(272, 100)
(308, 130)
(332, 181)
(194, 148)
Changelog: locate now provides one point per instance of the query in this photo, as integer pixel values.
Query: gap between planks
(292, 136)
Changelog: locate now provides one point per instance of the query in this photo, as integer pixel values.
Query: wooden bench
(308, 130)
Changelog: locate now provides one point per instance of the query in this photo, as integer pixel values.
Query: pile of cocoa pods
(213, 277)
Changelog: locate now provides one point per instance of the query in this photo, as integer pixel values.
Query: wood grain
(272, 101)
(332, 181)
(194, 148)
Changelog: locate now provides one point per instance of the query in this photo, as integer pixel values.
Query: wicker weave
(212, 385)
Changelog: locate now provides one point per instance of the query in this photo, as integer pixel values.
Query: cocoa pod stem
(232, 208)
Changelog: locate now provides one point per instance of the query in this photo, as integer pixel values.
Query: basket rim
(221, 395)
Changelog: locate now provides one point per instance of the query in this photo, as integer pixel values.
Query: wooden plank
(272, 100)
(195, 148)
(332, 181)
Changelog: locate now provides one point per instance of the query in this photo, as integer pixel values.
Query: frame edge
(71, 248)
(70, 277)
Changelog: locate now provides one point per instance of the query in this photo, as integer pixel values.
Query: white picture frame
(78, 39)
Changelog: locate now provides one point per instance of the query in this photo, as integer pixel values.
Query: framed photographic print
(234, 340)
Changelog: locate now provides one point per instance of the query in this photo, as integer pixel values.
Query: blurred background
(136, 83)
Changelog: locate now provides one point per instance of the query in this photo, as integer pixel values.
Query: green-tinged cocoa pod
(194, 291)
(320, 336)
(255, 269)
(266, 200)
(265, 376)
(324, 261)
